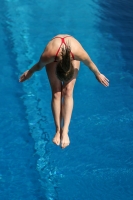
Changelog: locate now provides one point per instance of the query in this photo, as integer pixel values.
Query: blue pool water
(98, 165)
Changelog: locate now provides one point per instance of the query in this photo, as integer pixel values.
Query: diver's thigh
(51, 73)
(76, 64)
(70, 84)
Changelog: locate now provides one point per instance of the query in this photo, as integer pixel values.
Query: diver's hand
(102, 79)
(26, 75)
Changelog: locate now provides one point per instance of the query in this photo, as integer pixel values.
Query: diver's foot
(64, 139)
(56, 139)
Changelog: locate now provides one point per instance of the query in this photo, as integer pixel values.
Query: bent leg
(56, 86)
(67, 105)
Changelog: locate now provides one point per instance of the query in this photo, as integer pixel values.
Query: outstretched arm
(27, 74)
(37, 67)
(88, 62)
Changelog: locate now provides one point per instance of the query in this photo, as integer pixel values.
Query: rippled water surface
(98, 165)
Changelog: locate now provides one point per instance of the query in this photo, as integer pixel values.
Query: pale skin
(62, 92)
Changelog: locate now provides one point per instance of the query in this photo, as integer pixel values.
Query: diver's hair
(65, 69)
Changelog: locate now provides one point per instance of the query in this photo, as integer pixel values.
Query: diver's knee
(67, 92)
(56, 94)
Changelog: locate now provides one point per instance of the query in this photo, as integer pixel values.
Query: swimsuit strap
(62, 42)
